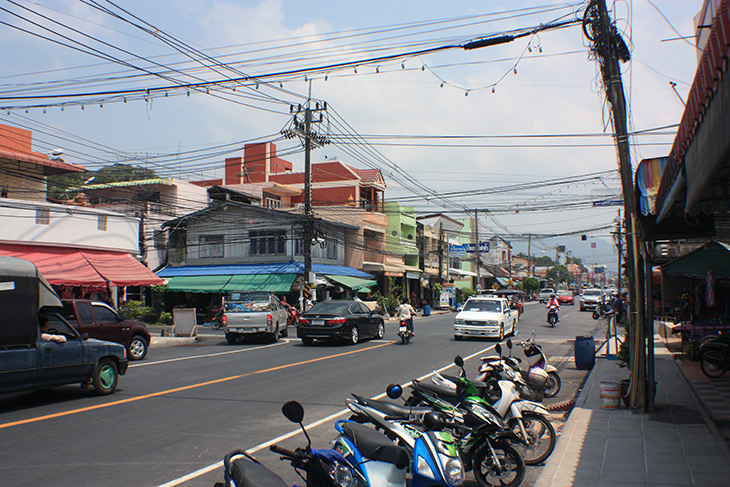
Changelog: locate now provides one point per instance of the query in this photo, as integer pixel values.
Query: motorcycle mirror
(293, 411)
(498, 348)
(394, 391)
(458, 361)
(509, 343)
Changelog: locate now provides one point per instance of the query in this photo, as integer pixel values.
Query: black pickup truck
(27, 361)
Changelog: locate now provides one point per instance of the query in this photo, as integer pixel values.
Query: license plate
(403, 329)
(318, 322)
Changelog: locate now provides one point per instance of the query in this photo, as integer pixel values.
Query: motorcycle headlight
(453, 470)
(342, 475)
(423, 468)
(484, 412)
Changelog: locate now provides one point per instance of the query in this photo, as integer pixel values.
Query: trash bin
(426, 310)
(585, 352)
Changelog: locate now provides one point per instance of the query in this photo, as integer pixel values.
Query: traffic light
(584, 237)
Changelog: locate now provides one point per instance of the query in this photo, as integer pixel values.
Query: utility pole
(310, 139)
(529, 255)
(609, 47)
(479, 261)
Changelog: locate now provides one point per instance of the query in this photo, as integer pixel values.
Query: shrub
(165, 318)
(150, 314)
(133, 309)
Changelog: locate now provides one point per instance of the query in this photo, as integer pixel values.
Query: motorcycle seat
(252, 474)
(441, 391)
(375, 446)
(394, 410)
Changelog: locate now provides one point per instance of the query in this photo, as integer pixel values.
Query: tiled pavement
(674, 446)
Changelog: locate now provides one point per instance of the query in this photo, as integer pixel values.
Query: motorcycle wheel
(215, 324)
(508, 471)
(540, 441)
(596, 315)
(403, 338)
(709, 363)
(553, 385)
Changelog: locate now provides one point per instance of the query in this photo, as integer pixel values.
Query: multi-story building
(75, 245)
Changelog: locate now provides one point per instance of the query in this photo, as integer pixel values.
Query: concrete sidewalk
(678, 444)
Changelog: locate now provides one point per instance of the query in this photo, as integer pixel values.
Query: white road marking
(210, 468)
(217, 354)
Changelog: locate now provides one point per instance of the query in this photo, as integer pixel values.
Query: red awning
(58, 265)
(74, 267)
(121, 269)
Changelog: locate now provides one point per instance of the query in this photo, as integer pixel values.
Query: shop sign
(393, 274)
(413, 275)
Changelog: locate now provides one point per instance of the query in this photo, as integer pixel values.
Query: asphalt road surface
(181, 409)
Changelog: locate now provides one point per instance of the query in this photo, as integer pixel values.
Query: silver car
(591, 298)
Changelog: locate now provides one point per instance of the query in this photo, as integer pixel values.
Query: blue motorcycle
(317, 467)
(431, 455)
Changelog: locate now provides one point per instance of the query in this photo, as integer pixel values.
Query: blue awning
(290, 267)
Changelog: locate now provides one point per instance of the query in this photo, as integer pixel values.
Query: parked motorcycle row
(430, 435)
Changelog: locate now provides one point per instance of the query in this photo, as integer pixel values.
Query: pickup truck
(483, 316)
(253, 314)
(27, 361)
(544, 295)
(99, 320)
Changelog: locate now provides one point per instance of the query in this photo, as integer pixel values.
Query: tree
(544, 261)
(530, 285)
(60, 185)
(560, 274)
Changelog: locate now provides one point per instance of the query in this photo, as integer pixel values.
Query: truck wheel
(501, 332)
(105, 377)
(307, 341)
(137, 347)
(232, 339)
(285, 332)
(457, 337)
(275, 336)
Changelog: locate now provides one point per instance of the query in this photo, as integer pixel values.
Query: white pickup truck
(253, 314)
(483, 316)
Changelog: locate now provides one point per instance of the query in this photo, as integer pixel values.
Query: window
(211, 246)
(298, 246)
(101, 223)
(43, 216)
(267, 242)
(103, 313)
(331, 250)
(272, 201)
(84, 312)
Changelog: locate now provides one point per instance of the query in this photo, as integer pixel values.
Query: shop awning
(74, 267)
(58, 265)
(274, 283)
(290, 267)
(354, 283)
(198, 284)
(120, 269)
(713, 256)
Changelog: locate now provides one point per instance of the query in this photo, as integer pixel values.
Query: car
(591, 298)
(101, 321)
(566, 297)
(254, 314)
(344, 320)
(485, 316)
(30, 359)
(544, 295)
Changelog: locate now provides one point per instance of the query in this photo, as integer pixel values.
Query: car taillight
(224, 320)
(268, 320)
(336, 321)
(302, 321)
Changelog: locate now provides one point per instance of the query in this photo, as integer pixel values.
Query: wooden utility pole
(441, 253)
(609, 48)
(479, 261)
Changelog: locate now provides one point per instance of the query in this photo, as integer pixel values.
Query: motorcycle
(405, 331)
(602, 309)
(552, 315)
(526, 418)
(485, 448)
(536, 360)
(217, 322)
(321, 467)
(715, 355)
(530, 384)
(431, 454)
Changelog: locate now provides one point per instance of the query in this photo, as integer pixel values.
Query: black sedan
(340, 320)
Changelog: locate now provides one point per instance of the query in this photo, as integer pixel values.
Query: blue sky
(543, 85)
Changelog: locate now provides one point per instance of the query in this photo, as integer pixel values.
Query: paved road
(177, 412)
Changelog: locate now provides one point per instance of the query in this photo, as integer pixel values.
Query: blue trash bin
(426, 310)
(585, 352)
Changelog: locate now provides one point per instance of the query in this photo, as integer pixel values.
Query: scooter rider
(553, 301)
(406, 312)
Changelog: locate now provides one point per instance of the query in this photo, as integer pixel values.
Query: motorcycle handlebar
(283, 451)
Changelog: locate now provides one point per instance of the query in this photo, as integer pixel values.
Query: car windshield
(330, 308)
(489, 306)
(247, 303)
(565, 293)
(592, 292)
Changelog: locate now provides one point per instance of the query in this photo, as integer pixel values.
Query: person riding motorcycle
(553, 301)
(405, 313)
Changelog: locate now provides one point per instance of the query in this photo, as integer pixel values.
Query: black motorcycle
(715, 355)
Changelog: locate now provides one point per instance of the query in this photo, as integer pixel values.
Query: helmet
(552, 295)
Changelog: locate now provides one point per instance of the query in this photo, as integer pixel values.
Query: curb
(171, 341)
